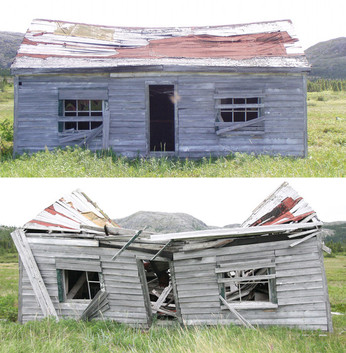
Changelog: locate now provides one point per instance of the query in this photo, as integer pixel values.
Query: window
(80, 114)
(239, 109)
(239, 112)
(249, 282)
(78, 284)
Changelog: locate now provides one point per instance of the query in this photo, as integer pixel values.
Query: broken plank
(161, 298)
(127, 245)
(237, 315)
(304, 239)
(33, 273)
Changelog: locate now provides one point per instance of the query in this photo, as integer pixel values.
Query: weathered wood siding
(302, 294)
(120, 277)
(36, 112)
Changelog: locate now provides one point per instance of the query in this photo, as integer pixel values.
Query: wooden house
(75, 262)
(187, 92)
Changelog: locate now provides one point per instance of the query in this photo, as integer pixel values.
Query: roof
(52, 45)
(70, 213)
(283, 212)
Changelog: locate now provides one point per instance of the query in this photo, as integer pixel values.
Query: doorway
(162, 112)
(160, 300)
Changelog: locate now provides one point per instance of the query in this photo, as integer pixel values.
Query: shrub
(6, 130)
(8, 310)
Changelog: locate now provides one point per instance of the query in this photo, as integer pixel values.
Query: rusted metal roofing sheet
(70, 213)
(59, 44)
(282, 207)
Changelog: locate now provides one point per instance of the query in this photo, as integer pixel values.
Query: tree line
(321, 84)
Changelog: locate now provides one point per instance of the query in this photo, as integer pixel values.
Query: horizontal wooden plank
(60, 241)
(302, 300)
(299, 286)
(297, 272)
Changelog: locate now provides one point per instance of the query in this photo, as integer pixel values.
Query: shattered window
(247, 282)
(80, 114)
(78, 284)
(235, 110)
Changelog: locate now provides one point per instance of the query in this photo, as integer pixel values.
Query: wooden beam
(326, 249)
(127, 245)
(77, 286)
(160, 251)
(234, 232)
(237, 315)
(239, 125)
(105, 131)
(156, 306)
(304, 239)
(33, 273)
(295, 235)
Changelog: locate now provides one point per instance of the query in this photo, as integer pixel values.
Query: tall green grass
(76, 162)
(104, 336)
(326, 158)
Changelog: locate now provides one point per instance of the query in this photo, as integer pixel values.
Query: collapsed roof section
(283, 215)
(50, 45)
(70, 213)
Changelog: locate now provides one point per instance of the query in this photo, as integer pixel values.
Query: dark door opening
(160, 291)
(161, 108)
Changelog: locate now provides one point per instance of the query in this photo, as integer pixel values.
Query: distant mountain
(162, 222)
(328, 59)
(9, 44)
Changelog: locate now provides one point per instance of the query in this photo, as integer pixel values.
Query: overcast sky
(215, 201)
(314, 20)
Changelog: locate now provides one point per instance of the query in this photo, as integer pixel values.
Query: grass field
(105, 336)
(326, 140)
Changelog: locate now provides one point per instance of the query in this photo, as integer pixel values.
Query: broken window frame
(241, 274)
(78, 118)
(62, 278)
(241, 104)
(241, 109)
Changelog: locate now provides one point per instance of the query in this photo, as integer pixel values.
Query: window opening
(162, 112)
(160, 289)
(78, 284)
(235, 110)
(80, 114)
(247, 283)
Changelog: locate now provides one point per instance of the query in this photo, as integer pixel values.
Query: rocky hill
(328, 59)
(162, 222)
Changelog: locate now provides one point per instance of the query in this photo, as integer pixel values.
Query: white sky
(314, 20)
(215, 201)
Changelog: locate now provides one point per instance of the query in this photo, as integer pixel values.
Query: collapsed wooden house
(188, 92)
(76, 262)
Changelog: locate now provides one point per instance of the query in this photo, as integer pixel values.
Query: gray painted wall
(301, 287)
(284, 99)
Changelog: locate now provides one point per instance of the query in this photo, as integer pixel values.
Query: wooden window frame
(77, 119)
(62, 279)
(246, 125)
(245, 109)
(234, 269)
